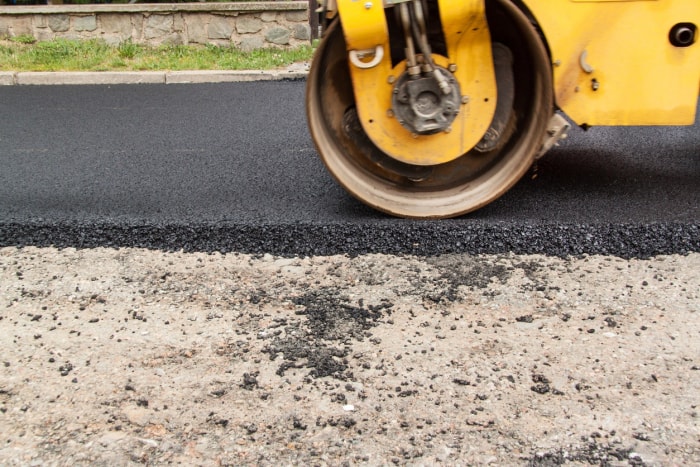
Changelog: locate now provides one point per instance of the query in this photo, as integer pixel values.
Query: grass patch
(24, 39)
(96, 55)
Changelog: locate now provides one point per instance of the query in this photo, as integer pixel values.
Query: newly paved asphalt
(231, 167)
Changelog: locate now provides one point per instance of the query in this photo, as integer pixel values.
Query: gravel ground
(128, 356)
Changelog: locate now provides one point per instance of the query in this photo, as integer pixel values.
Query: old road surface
(231, 167)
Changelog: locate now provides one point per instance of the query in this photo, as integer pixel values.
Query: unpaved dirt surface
(129, 356)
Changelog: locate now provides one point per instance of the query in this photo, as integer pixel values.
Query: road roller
(434, 108)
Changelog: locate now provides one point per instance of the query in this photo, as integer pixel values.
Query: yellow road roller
(434, 108)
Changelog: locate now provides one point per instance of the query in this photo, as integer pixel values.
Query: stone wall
(247, 25)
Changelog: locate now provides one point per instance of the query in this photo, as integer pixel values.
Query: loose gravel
(119, 356)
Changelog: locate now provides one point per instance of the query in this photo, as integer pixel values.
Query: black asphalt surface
(231, 167)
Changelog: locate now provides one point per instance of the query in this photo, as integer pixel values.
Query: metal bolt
(448, 129)
(595, 84)
(452, 67)
(557, 63)
(368, 5)
(465, 99)
(391, 79)
(491, 135)
(390, 113)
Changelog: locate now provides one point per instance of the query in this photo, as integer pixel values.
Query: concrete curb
(7, 78)
(40, 78)
(215, 76)
(82, 77)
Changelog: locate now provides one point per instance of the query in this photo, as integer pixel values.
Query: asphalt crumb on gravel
(591, 452)
(132, 356)
(323, 341)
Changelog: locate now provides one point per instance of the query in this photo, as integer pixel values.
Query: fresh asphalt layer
(230, 166)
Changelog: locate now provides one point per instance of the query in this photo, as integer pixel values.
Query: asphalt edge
(402, 237)
(41, 78)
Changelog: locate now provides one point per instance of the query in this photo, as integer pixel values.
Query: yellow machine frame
(612, 62)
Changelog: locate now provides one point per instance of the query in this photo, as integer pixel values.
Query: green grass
(19, 54)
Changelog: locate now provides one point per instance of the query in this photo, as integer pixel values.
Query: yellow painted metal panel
(364, 23)
(469, 48)
(614, 63)
(599, 1)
